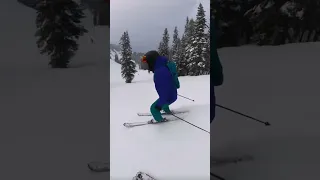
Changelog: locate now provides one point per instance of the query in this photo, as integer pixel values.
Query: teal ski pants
(156, 112)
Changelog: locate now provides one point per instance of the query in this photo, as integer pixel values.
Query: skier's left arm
(173, 70)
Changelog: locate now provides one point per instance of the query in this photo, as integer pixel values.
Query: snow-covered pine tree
(207, 51)
(58, 29)
(128, 66)
(181, 64)
(189, 45)
(175, 45)
(179, 56)
(283, 21)
(233, 27)
(164, 49)
(196, 62)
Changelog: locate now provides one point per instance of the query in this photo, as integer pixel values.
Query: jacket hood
(160, 62)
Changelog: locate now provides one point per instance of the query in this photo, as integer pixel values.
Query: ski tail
(98, 166)
(229, 160)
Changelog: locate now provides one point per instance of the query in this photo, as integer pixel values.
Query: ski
(98, 166)
(229, 160)
(143, 176)
(162, 113)
(134, 124)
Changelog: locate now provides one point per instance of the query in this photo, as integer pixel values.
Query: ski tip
(143, 175)
(126, 125)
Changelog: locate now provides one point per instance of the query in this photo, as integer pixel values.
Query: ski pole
(216, 176)
(186, 97)
(255, 119)
(189, 123)
(223, 107)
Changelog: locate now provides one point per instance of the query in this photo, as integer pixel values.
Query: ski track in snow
(276, 84)
(53, 121)
(172, 150)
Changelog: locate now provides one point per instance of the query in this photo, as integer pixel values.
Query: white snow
(174, 150)
(257, 9)
(278, 84)
(300, 13)
(269, 4)
(113, 53)
(53, 121)
(287, 8)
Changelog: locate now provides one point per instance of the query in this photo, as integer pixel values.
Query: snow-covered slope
(276, 84)
(53, 121)
(114, 50)
(174, 150)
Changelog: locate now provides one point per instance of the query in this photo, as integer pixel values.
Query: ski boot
(152, 121)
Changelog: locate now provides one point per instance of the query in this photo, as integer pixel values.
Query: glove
(166, 108)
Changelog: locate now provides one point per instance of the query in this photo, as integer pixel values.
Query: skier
(166, 83)
(216, 75)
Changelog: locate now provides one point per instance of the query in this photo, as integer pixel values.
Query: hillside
(115, 50)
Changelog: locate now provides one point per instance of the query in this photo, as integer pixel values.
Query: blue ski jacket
(164, 81)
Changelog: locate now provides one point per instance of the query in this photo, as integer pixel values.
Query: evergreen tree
(58, 29)
(116, 59)
(189, 46)
(190, 30)
(181, 64)
(175, 45)
(186, 26)
(196, 61)
(266, 22)
(164, 49)
(128, 66)
(283, 21)
(233, 27)
(207, 52)
(180, 57)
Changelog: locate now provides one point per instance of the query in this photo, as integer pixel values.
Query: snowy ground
(174, 150)
(275, 84)
(52, 121)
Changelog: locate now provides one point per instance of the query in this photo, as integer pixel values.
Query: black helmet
(150, 58)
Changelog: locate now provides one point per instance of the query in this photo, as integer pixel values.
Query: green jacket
(216, 75)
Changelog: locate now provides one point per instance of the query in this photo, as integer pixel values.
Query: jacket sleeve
(175, 76)
(162, 78)
(173, 69)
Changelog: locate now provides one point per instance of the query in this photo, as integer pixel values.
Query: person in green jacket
(216, 75)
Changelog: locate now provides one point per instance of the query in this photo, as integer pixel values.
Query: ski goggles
(144, 59)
